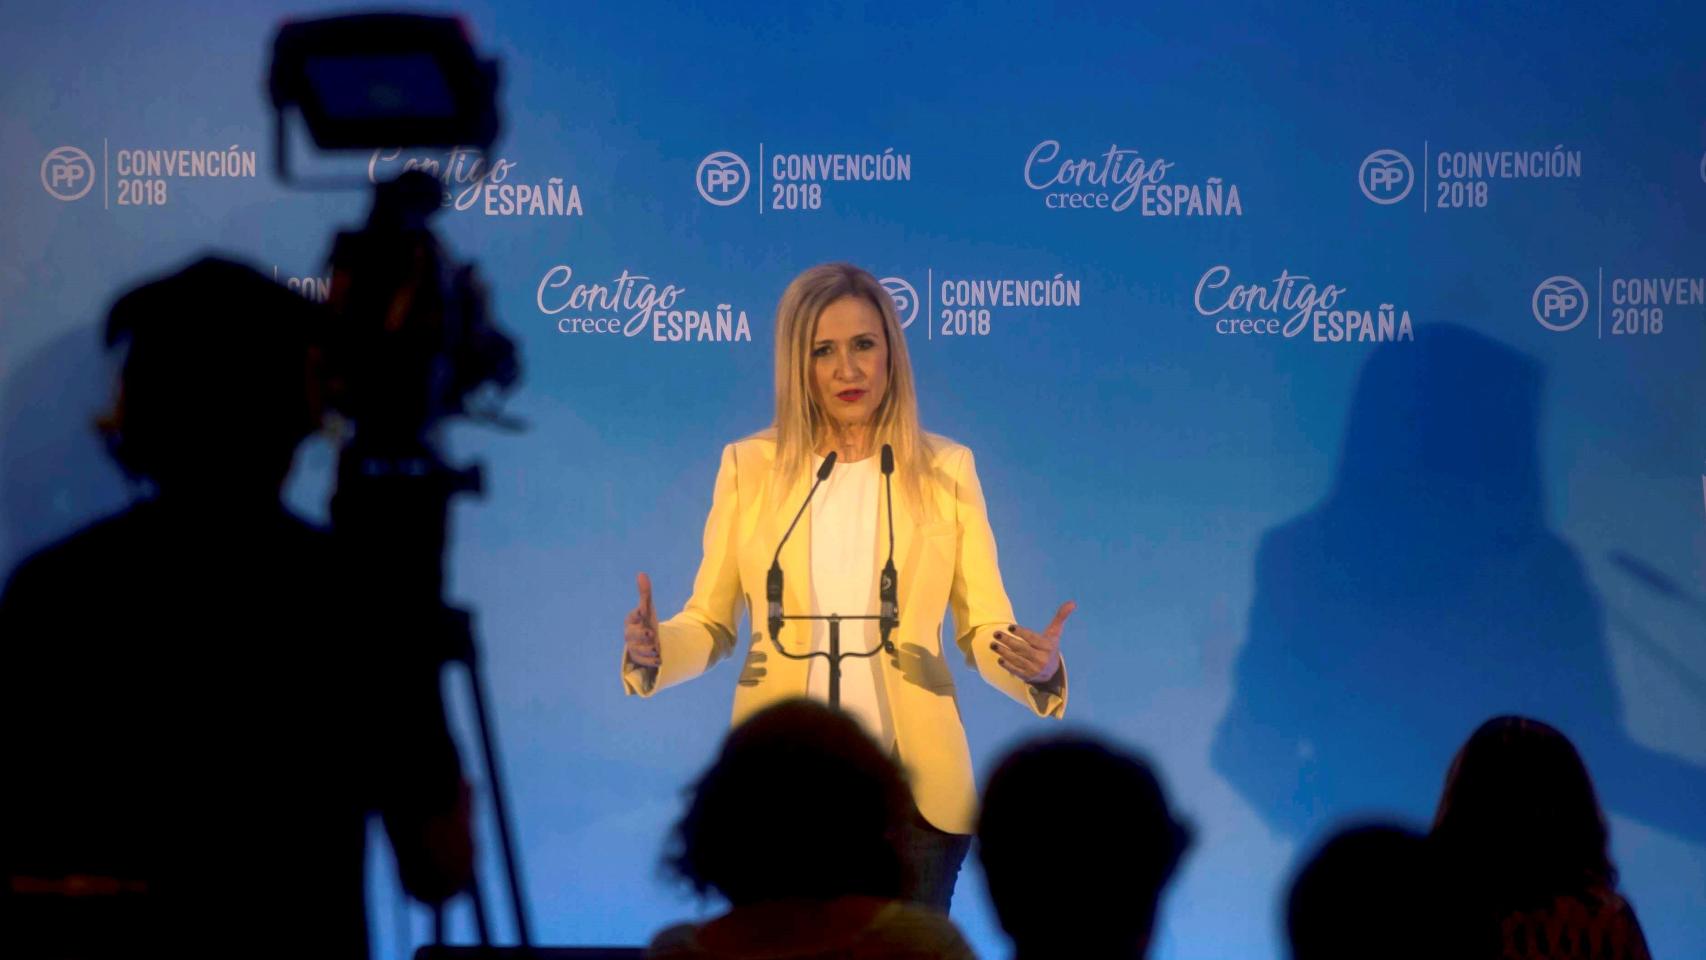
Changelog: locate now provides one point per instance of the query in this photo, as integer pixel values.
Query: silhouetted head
(839, 800)
(1370, 890)
(1519, 818)
(214, 395)
(1077, 842)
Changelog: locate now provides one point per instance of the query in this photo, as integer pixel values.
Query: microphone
(773, 579)
(887, 587)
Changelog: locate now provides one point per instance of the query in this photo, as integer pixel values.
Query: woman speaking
(844, 390)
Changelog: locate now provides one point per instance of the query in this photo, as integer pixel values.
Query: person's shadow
(1422, 596)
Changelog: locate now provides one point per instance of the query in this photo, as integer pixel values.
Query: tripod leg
(480, 913)
(500, 807)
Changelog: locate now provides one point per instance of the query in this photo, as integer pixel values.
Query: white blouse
(845, 565)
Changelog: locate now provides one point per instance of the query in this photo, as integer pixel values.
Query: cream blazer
(944, 562)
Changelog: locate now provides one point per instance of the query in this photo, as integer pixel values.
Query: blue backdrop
(1344, 364)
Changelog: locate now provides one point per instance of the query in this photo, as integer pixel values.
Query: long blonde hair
(801, 423)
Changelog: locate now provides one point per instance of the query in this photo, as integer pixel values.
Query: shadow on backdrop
(54, 472)
(1424, 595)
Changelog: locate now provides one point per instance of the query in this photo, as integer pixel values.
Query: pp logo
(723, 178)
(905, 300)
(1560, 303)
(1386, 177)
(67, 173)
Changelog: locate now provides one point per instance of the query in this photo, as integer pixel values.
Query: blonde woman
(844, 386)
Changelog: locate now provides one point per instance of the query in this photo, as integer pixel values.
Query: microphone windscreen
(888, 459)
(828, 464)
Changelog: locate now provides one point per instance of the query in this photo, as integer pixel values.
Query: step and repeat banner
(1345, 366)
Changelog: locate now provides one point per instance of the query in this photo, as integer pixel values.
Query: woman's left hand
(1031, 656)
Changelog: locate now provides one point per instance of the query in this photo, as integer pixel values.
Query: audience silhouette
(1371, 890)
(798, 826)
(1521, 834)
(197, 709)
(1077, 843)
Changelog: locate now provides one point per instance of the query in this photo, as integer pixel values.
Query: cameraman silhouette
(199, 706)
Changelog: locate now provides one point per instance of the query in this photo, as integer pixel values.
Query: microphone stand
(835, 654)
(887, 620)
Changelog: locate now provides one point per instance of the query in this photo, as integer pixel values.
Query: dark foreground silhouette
(198, 708)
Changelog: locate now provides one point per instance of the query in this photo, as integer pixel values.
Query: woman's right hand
(640, 629)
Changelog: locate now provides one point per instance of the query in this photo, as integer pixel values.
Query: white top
(845, 566)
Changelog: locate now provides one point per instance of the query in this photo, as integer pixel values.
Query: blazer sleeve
(979, 600)
(704, 631)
